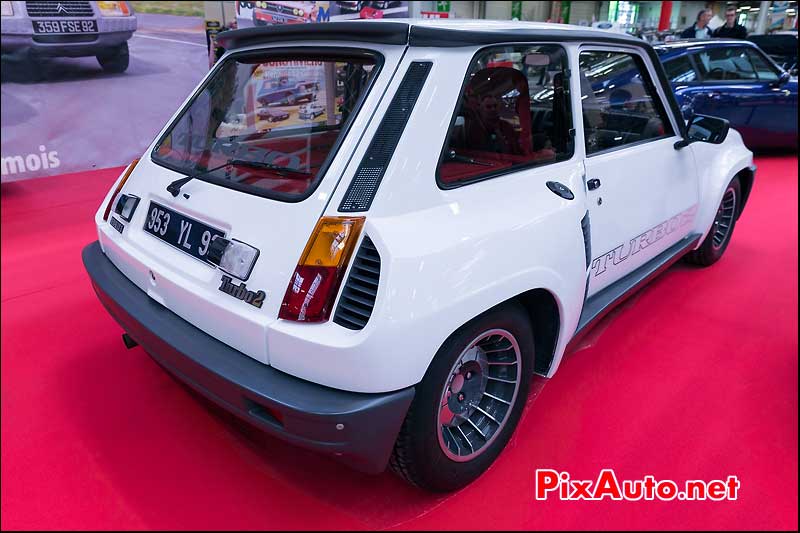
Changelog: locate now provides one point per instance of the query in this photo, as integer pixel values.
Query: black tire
(418, 456)
(115, 60)
(719, 236)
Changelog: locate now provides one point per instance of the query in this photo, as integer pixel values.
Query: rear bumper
(358, 429)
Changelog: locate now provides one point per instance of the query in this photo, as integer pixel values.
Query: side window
(619, 101)
(680, 70)
(725, 64)
(764, 70)
(513, 113)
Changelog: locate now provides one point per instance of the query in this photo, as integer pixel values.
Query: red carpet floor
(695, 378)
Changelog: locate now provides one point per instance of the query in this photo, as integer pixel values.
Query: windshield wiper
(269, 166)
(174, 188)
(453, 156)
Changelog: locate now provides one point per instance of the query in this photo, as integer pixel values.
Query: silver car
(69, 29)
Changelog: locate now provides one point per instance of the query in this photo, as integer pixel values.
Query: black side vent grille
(358, 296)
(587, 238)
(370, 172)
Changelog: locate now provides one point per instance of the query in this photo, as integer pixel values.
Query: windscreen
(268, 124)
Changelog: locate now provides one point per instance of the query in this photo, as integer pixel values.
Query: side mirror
(783, 79)
(703, 128)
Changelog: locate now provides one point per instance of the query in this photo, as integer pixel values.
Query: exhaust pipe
(129, 342)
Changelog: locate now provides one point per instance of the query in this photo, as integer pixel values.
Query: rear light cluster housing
(316, 279)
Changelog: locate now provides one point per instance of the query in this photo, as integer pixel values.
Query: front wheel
(720, 233)
(115, 60)
(469, 402)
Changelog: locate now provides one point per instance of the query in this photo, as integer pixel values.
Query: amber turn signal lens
(315, 282)
(332, 241)
(119, 188)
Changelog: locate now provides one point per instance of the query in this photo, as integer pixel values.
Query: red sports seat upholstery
(500, 82)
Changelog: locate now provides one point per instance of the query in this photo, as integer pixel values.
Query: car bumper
(357, 429)
(18, 36)
(64, 45)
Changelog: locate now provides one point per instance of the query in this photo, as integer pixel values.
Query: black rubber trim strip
(666, 87)
(586, 229)
(604, 301)
(309, 413)
(364, 185)
(365, 32)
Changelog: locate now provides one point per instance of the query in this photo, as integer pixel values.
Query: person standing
(700, 29)
(731, 30)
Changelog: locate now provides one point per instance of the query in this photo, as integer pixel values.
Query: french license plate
(184, 233)
(277, 19)
(65, 26)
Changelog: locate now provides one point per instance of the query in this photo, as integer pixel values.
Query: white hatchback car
(381, 285)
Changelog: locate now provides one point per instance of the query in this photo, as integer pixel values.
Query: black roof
(404, 33)
(384, 32)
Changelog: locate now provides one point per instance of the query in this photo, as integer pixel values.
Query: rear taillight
(119, 188)
(315, 282)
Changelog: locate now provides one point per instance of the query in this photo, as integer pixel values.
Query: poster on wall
(83, 106)
(249, 14)
(778, 15)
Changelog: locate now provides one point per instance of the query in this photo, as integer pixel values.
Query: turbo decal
(241, 292)
(640, 242)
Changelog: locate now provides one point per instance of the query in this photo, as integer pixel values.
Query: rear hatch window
(269, 122)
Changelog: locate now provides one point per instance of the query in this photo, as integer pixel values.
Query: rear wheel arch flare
(746, 178)
(543, 310)
(545, 319)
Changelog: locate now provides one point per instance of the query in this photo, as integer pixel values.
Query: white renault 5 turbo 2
(380, 283)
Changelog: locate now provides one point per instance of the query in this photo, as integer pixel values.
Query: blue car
(283, 94)
(734, 80)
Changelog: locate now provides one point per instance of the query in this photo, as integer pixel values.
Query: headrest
(496, 81)
(504, 83)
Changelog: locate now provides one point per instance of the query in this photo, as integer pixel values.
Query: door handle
(593, 184)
